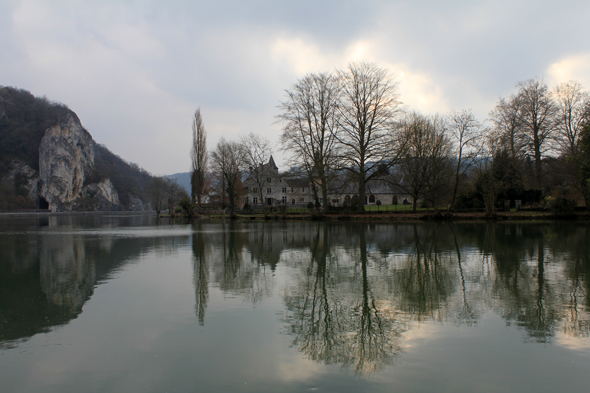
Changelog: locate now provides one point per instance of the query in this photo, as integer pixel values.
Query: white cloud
(575, 67)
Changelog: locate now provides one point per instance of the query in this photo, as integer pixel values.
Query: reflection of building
(266, 186)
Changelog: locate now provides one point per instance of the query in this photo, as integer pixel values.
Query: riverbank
(522, 215)
(88, 213)
(408, 216)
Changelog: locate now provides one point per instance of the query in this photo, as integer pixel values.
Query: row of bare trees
(536, 122)
(352, 120)
(228, 162)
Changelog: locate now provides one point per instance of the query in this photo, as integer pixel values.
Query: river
(136, 304)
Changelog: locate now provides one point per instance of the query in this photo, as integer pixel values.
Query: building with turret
(265, 186)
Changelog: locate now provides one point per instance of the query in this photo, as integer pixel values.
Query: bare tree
(257, 152)
(310, 127)
(426, 161)
(467, 133)
(368, 104)
(572, 113)
(174, 193)
(198, 158)
(228, 162)
(536, 121)
(506, 119)
(156, 192)
(486, 181)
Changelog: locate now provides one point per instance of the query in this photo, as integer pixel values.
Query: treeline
(534, 146)
(350, 127)
(129, 179)
(23, 121)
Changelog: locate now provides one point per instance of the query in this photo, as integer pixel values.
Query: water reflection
(351, 293)
(335, 313)
(50, 267)
(352, 290)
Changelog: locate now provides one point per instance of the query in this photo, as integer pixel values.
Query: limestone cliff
(66, 155)
(48, 160)
(66, 159)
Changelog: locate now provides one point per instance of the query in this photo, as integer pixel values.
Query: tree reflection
(531, 283)
(335, 316)
(200, 273)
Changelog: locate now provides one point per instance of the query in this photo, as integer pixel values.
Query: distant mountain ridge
(183, 179)
(48, 160)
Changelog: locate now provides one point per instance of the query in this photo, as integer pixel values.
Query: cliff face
(66, 159)
(66, 155)
(48, 160)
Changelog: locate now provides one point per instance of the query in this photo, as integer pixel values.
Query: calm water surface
(132, 304)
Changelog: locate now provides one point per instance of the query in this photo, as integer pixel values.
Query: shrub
(559, 206)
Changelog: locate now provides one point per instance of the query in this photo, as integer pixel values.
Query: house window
(268, 179)
(284, 200)
(293, 201)
(372, 199)
(284, 190)
(292, 189)
(268, 190)
(302, 189)
(254, 200)
(301, 200)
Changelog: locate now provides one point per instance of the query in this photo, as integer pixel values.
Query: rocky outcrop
(66, 159)
(136, 204)
(22, 175)
(66, 156)
(100, 196)
(48, 160)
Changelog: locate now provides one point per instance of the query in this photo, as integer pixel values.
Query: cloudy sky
(135, 71)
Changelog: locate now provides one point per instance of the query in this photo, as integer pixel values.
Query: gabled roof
(272, 164)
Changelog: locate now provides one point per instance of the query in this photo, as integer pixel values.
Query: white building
(267, 187)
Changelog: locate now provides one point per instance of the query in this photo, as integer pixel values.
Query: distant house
(297, 191)
(377, 192)
(265, 186)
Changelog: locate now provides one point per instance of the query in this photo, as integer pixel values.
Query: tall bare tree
(309, 118)
(573, 107)
(467, 134)
(156, 192)
(425, 165)
(228, 162)
(198, 158)
(536, 121)
(506, 119)
(257, 152)
(367, 107)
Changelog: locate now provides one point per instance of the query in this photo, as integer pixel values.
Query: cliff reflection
(46, 276)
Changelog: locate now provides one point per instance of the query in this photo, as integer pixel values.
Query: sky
(136, 71)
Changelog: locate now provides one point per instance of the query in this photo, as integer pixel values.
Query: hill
(183, 179)
(48, 160)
